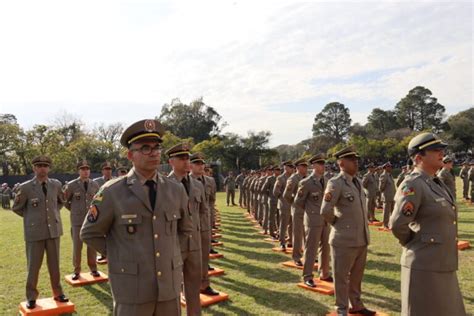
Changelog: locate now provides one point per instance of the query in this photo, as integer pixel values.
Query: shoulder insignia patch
(408, 190)
(93, 214)
(328, 197)
(408, 209)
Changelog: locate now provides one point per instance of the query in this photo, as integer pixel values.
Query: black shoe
(290, 246)
(328, 279)
(214, 241)
(31, 304)
(364, 311)
(310, 283)
(283, 247)
(209, 291)
(61, 298)
(209, 268)
(298, 263)
(95, 274)
(102, 258)
(213, 252)
(75, 276)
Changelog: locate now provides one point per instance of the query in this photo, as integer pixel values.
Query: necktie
(322, 182)
(437, 181)
(356, 183)
(151, 192)
(184, 181)
(45, 190)
(86, 185)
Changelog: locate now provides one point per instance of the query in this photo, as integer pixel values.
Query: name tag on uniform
(35, 202)
(77, 195)
(349, 196)
(128, 216)
(440, 199)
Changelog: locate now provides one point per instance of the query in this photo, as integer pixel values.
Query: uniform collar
(142, 178)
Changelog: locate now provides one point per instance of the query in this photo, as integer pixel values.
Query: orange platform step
(47, 307)
(322, 287)
(384, 229)
(216, 230)
(262, 233)
(375, 223)
(463, 245)
(271, 240)
(215, 255)
(216, 236)
(216, 244)
(291, 264)
(207, 300)
(216, 272)
(377, 314)
(86, 278)
(257, 226)
(278, 249)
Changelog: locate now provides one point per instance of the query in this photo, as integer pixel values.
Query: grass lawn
(254, 279)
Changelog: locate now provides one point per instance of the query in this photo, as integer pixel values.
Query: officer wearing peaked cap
(370, 185)
(39, 202)
(345, 208)
(387, 189)
(191, 248)
(446, 175)
(106, 169)
(137, 221)
(78, 195)
(309, 197)
(297, 213)
(424, 221)
(283, 205)
(463, 174)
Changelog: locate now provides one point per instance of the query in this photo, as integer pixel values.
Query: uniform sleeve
(407, 203)
(277, 188)
(60, 196)
(98, 221)
(382, 183)
(67, 196)
(365, 181)
(301, 195)
(19, 204)
(185, 224)
(331, 196)
(288, 193)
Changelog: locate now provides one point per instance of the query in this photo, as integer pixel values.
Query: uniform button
(129, 220)
(454, 222)
(158, 273)
(46, 201)
(174, 215)
(191, 236)
(49, 225)
(154, 217)
(432, 239)
(156, 236)
(454, 207)
(122, 270)
(158, 254)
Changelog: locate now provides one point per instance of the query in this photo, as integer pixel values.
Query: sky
(263, 65)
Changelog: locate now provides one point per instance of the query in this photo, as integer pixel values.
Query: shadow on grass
(390, 284)
(387, 302)
(263, 255)
(290, 302)
(104, 296)
(382, 266)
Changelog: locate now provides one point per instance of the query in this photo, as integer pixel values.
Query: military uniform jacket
(463, 173)
(200, 204)
(292, 187)
(191, 241)
(279, 188)
(7, 192)
(470, 175)
(229, 183)
(212, 189)
(387, 187)
(268, 188)
(449, 180)
(424, 220)
(261, 191)
(309, 197)
(101, 181)
(401, 177)
(370, 185)
(41, 217)
(239, 180)
(77, 200)
(141, 242)
(344, 207)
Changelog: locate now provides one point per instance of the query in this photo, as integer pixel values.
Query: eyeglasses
(42, 165)
(147, 150)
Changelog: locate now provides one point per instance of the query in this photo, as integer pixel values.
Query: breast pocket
(348, 196)
(130, 225)
(77, 196)
(172, 218)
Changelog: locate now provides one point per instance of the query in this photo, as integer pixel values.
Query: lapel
(37, 188)
(437, 189)
(136, 187)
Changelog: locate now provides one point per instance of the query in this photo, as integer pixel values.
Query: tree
(461, 130)
(380, 122)
(419, 110)
(196, 120)
(334, 120)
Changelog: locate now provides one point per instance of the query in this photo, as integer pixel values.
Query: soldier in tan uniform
(197, 173)
(370, 185)
(297, 213)
(446, 175)
(309, 197)
(229, 183)
(271, 221)
(283, 205)
(239, 180)
(212, 194)
(265, 199)
(378, 201)
(106, 174)
(425, 222)
(463, 174)
(138, 221)
(39, 201)
(191, 248)
(387, 189)
(78, 195)
(345, 208)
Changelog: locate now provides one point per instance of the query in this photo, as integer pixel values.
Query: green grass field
(254, 279)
